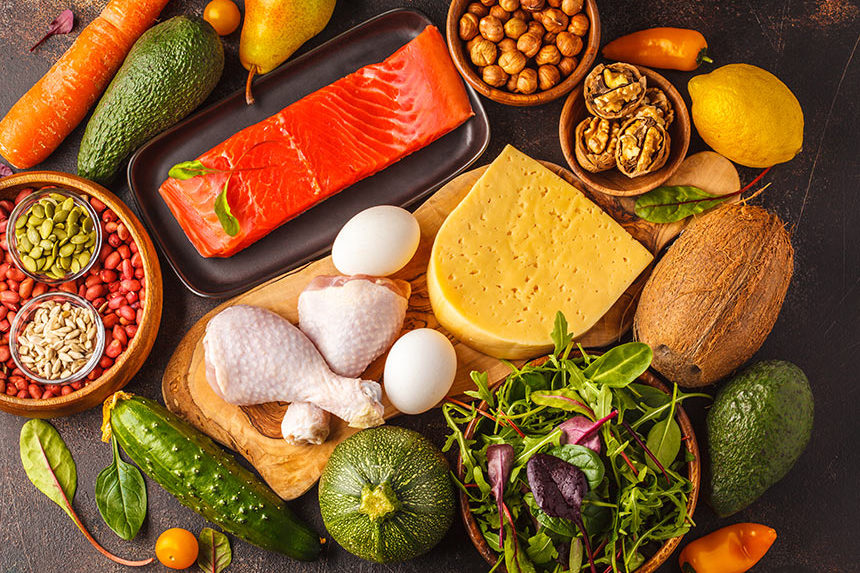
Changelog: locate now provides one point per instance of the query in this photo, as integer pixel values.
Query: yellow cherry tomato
(223, 15)
(177, 548)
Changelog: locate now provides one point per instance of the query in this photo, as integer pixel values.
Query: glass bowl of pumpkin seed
(57, 338)
(54, 236)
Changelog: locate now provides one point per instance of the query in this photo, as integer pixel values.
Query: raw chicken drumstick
(254, 356)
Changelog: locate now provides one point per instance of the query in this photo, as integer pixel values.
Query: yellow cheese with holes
(522, 245)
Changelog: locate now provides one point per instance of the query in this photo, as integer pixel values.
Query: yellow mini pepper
(664, 48)
(732, 549)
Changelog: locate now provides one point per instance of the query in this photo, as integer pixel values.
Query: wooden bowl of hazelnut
(523, 52)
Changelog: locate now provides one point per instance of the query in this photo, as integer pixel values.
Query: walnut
(507, 45)
(494, 76)
(500, 13)
(656, 105)
(567, 65)
(491, 28)
(512, 62)
(571, 7)
(643, 147)
(614, 91)
(529, 44)
(554, 20)
(483, 52)
(478, 10)
(527, 81)
(510, 5)
(549, 54)
(514, 28)
(578, 25)
(568, 44)
(595, 140)
(532, 5)
(468, 26)
(548, 76)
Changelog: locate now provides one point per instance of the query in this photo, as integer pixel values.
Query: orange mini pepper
(732, 549)
(665, 48)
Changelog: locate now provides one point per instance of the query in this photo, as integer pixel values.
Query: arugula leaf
(670, 204)
(560, 336)
(229, 223)
(541, 549)
(481, 380)
(621, 365)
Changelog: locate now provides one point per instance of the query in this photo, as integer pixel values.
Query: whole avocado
(169, 71)
(759, 425)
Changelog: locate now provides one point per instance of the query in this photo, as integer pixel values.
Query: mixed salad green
(574, 465)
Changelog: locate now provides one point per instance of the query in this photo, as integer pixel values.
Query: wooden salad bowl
(613, 182)
(131, 360)
(693, 474)
(457, 48)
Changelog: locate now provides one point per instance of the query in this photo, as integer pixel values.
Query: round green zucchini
(386, 494)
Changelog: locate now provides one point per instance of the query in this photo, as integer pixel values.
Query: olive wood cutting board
(254, 431)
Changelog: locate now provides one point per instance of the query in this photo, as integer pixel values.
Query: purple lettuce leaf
(575, 428)
(500, 461)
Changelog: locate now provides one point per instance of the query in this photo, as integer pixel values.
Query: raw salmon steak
(273, 171)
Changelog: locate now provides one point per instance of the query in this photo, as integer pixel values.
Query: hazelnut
(488, 3)
(483, 52)
(468, 26)
(554, 20)
(512, 62)
(549, 54)
(514, 28)
(529, 44)
(568, 44)
(500, 13)
(549, 38)
(548, 77)
(579, 25)
(491, 28)
(494, 76)
(478, 10)
(521, 15)
(567, 65)
(507, 45)
(554, 3)
(527, 81)
(471, 43)
(532, 5)
(537, 29)
(510, 5)
(512, 83)
(571, 7)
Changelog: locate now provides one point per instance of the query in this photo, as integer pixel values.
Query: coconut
(716, 294)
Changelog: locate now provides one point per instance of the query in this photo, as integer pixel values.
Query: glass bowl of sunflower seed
(57, 338)
(54, 236)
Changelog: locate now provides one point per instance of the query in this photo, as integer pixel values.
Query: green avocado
(169, 71)
(759, 425)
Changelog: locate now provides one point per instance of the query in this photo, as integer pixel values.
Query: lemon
(748, 115)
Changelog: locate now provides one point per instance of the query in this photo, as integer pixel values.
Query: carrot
(50, 111)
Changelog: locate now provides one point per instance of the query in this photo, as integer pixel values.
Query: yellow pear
(274, 29)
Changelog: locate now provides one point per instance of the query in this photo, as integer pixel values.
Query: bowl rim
(138, 347)
(567, 125)
(456, 48)
(25, 205)
(693, 474)
(23, 315)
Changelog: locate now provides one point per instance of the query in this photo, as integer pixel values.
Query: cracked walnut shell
(656, 105)
(595, 141)
(643, 147)
(614, 91)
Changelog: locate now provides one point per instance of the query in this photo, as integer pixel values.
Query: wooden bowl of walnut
(523, 52)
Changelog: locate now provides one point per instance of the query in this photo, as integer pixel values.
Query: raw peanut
(114, 240)
(10, 316)
(5, 354)
(22, 194)
(131, 297)
(7, 205)
(3, 224)
(16, 371)
(116, 302)
(66, 390)
(94, 292)
(70, 287)
(77, 385)
(19, 382)
(23, 394)
(2, 387)
(131, 330)
(137, 260)
(93, 280)
(110, 320)
(126, 312)
(124, 251)
(113, 349)
(131, 285)
(82, 290)
(47, 394)
(10, 306)
(4, 268)
(138, 317)
(35, 391)
(99, 302)
(109, 216)
(105, 362)
(107, 276)
(16, 275)
(3, 286)
(112, 260)
(110, 227)
(97, 205)
(11, 390)
(25, 289)
(95, 374)
(124, 321)
(113, 287)
(40, 289)
(13, 285)
(120, 335)
(3, 311)
(103, 254)
(4, 325)
(138, 273)
(133, 247)
(10, 297)
(122, 232)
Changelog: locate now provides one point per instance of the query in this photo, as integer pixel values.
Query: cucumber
(204, 478)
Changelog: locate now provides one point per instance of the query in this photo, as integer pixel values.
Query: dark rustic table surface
(809, 44)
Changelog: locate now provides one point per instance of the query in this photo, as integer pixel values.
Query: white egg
(378, 242)
(419, 370)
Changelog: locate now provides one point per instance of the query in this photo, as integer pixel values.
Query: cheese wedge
(522, 245)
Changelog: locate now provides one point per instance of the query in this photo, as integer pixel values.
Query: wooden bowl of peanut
(523, 52)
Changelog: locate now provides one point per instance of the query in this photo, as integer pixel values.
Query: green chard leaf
(563, 399)
(621, 365)
(670, 204)
(215, 554)
(585, 459)
(664, 441)
(188, 170)
(48, 463)
(229, 223)
(121, 496)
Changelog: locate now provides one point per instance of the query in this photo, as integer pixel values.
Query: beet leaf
(62, 24)
(500, 460)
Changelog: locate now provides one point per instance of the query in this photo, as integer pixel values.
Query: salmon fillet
(320, 145)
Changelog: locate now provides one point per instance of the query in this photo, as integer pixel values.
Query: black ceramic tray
(311, 234)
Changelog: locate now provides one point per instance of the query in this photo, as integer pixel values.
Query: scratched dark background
(810, 45)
